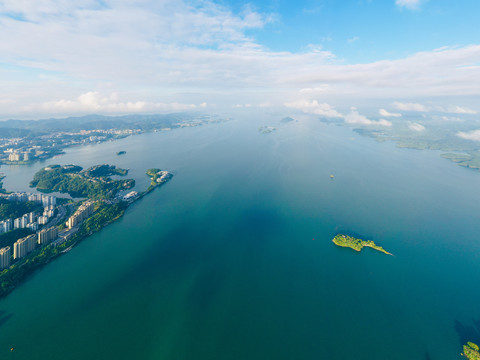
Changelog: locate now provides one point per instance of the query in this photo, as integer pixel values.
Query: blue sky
(59, 57)
(363, 31)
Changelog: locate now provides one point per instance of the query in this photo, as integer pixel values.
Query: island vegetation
(356, 244)
(8, 238)
(471, 351)
(157, 177)
(94, 183)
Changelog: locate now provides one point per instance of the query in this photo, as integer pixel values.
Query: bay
(233, 259)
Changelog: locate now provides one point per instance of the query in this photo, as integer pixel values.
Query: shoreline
(104, 215)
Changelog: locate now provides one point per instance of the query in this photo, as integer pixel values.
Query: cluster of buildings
(23, 154)
(30, 149)
(24, 246)
(29, 220)
(46, 200)
(130, 196)
(83, 212)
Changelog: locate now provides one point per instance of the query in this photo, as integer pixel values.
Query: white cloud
(460, 110)
(409, 4)
(471, 135)
(416, 127)
(354, 117)
(410, 107)
(313, 107)
(385, 113)
(322, 88)
(452, 109)
(95, 102)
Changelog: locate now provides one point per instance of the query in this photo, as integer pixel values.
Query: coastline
(105, 214)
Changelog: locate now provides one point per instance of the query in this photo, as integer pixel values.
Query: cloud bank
(470, 135)
(153, 53)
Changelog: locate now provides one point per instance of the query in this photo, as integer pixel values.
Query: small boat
(331, 176)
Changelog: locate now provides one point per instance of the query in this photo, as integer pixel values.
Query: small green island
(356, 244)
(471, 351)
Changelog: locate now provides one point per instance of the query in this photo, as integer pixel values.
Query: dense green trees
(15, 209)
(92, 183)
(7, 239)
(356, 244)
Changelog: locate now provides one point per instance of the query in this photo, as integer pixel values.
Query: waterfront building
(23, 246)
(130, 196)
(5, 254)
(35, 197)
(48, 200)
(83, 212)
(47, 235)
(14, 157)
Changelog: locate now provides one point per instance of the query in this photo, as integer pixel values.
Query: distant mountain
(14, 132)
(94, 122)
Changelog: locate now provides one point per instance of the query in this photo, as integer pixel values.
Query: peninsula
(94, 183)
(62, 225)
(356, 244)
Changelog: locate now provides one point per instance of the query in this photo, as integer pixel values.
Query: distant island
(123, 152)
(287, 120)
(471, 351)
(266, 129)
(356, 244)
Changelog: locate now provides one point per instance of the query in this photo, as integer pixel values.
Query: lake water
(233, 258)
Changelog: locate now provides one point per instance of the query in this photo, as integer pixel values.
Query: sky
(325, 57)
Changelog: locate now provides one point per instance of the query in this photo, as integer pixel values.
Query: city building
(35, 197)
(32, 226)
(5, 254)
(31, 217)
(83, 212)
(47, 235)
(23, 246)
(48, 200)
(42, 220)
(14, 157)
(130, 196)
(6, 225)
